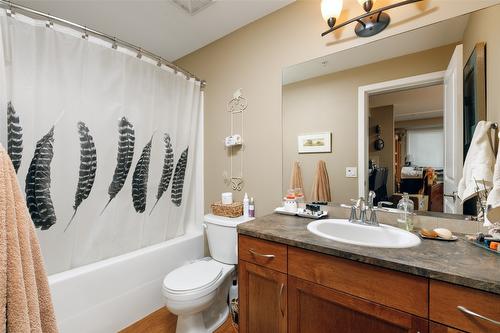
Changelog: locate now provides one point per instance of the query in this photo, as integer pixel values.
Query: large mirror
(395, 115)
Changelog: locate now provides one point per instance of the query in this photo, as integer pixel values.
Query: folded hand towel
(479, 162)
(321, 184)
(26, 304)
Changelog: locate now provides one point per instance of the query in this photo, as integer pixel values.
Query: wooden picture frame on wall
(315, 143)
(474, 93)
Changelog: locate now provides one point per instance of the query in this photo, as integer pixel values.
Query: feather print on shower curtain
(88, 167)
(38, 196)
(168, 168)
(178, 181)
(124, 157)
(14, 137)
(140, 179)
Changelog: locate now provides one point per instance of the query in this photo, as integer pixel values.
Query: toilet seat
(194, 280)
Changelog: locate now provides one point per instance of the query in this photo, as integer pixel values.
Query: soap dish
(452, 239)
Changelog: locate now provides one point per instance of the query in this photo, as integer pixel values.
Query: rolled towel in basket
(321, 184)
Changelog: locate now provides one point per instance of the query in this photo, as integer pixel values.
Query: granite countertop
(455, 262)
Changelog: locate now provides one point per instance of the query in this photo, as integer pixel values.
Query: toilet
(197, 292)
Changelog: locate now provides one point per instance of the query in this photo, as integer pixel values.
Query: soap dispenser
(406, 206)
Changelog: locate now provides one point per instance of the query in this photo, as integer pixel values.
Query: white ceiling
(428, 37)
(160, 26)
(411, 104)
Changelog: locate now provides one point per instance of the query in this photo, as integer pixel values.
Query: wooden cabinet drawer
(445, 298)
(438, 328)
(395, 289)
(269, 254)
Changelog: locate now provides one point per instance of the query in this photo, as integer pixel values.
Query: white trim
(382, 87)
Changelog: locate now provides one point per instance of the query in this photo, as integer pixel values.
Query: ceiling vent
(193, 6)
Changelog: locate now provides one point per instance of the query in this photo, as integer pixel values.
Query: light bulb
(330, 9)
(367, 4)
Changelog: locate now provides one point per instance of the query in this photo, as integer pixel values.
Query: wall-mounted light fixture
(370, 23)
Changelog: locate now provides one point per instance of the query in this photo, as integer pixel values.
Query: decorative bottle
(406, 206)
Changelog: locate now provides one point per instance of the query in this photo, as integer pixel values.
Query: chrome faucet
(367, 210)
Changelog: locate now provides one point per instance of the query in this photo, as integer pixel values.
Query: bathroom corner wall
(253, 57)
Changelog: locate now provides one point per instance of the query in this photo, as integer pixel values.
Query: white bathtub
(109, 295)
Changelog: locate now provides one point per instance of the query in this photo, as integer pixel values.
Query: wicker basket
(233, 210)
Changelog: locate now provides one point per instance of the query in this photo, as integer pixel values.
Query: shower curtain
(98, 135)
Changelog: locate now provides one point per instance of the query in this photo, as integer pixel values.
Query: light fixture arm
(369, 13)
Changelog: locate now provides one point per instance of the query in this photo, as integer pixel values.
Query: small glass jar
(290, 203)
(299, 195)
(407, 207)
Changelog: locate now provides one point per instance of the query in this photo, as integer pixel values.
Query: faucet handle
(361, 203)
(384, 203)
(371, 196)
(352, 216)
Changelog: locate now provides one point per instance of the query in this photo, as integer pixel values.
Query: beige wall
(329, 103)
(428, 122)
(384, 117)
(482, 28)
(253, 57)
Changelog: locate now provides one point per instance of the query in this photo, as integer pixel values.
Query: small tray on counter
(452, 239)
(300, 212)
(482, 246)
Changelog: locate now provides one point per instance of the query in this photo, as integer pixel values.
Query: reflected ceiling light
(369, 24)
(330, 9)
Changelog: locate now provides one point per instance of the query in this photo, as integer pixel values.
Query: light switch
(351, 172)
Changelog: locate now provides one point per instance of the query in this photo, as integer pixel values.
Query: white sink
(344, 231)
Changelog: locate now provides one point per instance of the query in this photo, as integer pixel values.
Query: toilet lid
(194, 276)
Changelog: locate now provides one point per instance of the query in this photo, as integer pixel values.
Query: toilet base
(194, 323)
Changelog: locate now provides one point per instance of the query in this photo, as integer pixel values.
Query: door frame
(364, 93)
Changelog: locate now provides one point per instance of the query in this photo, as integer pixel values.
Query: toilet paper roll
(227, 198)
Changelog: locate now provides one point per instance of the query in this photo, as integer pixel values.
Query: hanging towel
(479, 162)
(296, 177)
(493, 201)
(26, 305)
(321, 184)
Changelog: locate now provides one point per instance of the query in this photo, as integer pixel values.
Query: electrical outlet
(351, 172)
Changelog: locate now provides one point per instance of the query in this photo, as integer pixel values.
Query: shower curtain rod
(140, 51)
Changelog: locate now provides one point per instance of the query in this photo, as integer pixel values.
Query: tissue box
(233, 210)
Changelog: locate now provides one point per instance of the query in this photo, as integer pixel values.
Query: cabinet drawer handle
(280, 302)
(269, 256)
(469, 312)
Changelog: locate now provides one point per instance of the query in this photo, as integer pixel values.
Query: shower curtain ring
(114, 45)
(49, 23)
(10, 11)
(85, 34)
(139, 53)
(159, 62)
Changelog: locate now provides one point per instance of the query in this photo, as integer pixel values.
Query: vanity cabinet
(315, 308)
(445, 298)
(263, 299)
(438, 328)
(289, 289)
(262, 275)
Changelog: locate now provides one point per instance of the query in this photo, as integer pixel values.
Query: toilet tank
(223, 238)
